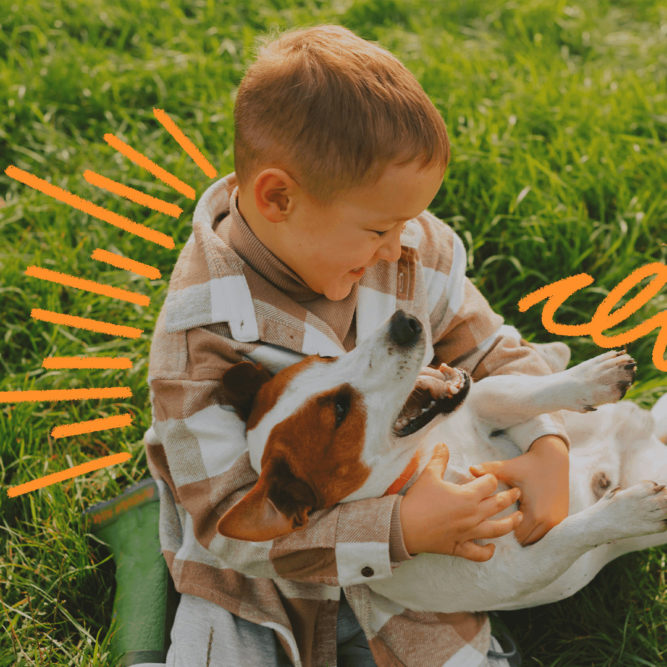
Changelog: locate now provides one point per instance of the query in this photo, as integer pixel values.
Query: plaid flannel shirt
(219, 311)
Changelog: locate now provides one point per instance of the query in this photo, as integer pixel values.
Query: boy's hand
(441, 517)
(430, 384)
(542, 474)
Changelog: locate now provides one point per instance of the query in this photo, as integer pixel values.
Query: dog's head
(322, 431)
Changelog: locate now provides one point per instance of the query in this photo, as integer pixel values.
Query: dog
(330, 430)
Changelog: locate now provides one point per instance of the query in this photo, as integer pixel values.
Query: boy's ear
(278, 504)
(240, 383)
(274, 190)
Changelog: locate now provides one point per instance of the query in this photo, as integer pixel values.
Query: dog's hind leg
(543, 572)
(505, 400)
(619, 522)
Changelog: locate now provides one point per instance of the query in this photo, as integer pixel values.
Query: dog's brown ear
(240, 384)
(278, 504)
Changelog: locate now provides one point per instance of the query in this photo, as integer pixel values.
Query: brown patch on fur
(311, 461)
(321, 452)
(268, 395)
(241, 383)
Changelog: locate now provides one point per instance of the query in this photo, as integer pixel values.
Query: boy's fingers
(433, 384)
(530, 533)
(429, 371)
(498, 527)
(476, 552)
(484, 485)
(499, 501)
(497, 468)
(439, 460)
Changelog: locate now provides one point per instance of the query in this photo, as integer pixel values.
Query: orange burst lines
(35, 395)
(133, 195)
(91, 425)
(141, 160)
(87, 285)
(88, 207)
(121, 262)
(185, 143)
(75, 471)
(85, 323)
(86, 362)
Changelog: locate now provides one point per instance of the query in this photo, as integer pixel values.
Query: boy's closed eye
(382, 232)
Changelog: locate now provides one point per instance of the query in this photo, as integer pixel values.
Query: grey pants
(206, 635)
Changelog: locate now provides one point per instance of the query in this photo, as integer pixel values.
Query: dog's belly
(469, 442)
(595, 460)
(615, 441)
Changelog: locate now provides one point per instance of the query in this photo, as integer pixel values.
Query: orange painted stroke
(149, 165)
(85, 323)
(88, 207)
(185, 143)
(87, 285)
(32, 396)
(556, 294)
(86, 362)
(605, 316)
(91, 425)
(133, 195)
(74, 471)
(121, 262)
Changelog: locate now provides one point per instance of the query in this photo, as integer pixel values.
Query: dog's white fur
(617, 457)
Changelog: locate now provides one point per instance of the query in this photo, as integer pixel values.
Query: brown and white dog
(330, 430)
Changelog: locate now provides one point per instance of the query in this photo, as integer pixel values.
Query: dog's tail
(659, 412)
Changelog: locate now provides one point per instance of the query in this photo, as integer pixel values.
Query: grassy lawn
(556, 112)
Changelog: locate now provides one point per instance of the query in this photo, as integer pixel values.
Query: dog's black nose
(404, 329)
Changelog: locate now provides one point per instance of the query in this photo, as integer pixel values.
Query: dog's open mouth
(421, 407)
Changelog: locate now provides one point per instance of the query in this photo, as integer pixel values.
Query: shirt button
(367, 571)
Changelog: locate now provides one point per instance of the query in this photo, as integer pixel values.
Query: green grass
(556, 113)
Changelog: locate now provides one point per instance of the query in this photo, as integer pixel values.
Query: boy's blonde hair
(333, 110)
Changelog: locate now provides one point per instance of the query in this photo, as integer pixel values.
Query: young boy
(318, 237)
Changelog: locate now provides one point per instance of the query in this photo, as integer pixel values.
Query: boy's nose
(390, 251)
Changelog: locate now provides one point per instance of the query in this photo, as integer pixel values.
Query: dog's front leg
(505, 400)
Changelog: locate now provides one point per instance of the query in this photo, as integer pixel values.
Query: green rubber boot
(145, 601)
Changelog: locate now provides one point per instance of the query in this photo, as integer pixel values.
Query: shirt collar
(244, 242)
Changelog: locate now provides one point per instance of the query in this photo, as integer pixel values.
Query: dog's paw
(640, 509)
(603, 379)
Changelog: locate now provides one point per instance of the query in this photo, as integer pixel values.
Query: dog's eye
(342, 407)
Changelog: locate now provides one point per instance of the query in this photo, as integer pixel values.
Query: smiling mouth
(416, 414)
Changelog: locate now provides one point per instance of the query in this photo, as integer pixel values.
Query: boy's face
(330, 246)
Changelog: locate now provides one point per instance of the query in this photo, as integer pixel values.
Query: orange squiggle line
(185, 143)
(88, 207)
(121, 262)
(86, 285)
(101, 424)
(86, 362)
(74, 471)
(133, 195)
(85, 323)
(31, 396)
(149, 165)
